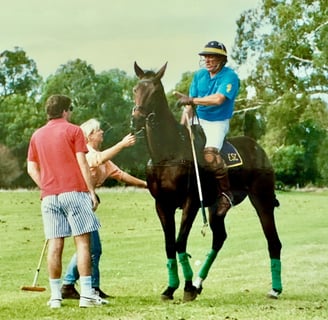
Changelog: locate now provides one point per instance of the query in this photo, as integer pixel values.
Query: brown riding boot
(216, 164)
(225, 198)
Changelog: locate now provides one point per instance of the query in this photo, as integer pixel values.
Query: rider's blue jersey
(225, 82)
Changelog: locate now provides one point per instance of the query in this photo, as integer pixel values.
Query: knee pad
(214, 161)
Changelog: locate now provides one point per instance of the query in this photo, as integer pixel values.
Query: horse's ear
(139, 72)
(161, 72)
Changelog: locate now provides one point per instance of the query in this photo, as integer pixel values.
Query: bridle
(142, 110)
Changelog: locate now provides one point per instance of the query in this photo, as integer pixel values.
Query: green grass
(133, 265)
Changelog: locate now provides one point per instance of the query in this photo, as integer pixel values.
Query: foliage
(20, 85)
(77, 80)
(20, 115)
(322, 163)
(9, 170)
(18, 74)
(282, 41)
(183, 87)
(286, 38)
(133, 263)
(289, 165)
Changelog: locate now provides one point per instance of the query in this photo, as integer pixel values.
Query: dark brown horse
(172, 182)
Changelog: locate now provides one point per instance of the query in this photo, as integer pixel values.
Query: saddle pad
(230, 155)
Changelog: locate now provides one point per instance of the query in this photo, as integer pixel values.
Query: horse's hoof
(190, 294)
(167, 294)
(199, 290)
(273, 294)
(166, 298)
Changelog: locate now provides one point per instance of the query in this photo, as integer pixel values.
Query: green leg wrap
(276, 275)
(207, 264)
(172, 268)
(186, 268)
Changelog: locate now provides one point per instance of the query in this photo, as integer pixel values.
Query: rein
(170, 163)
(141, 110)
(136, 133)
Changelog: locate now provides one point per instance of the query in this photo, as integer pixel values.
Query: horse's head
(148, 95)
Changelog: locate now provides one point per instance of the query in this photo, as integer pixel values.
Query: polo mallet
(34, 286)
(197, 173)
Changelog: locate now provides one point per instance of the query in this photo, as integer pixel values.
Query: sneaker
(68, 291)
(54, 303)
(100, 293)
(93, 301)
(96, 293)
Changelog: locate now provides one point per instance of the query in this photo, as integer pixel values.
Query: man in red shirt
(57, 163)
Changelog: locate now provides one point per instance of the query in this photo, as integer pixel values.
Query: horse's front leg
(166, 217)
(219, 235)
(187, 219)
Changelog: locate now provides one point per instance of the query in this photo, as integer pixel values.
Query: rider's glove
(184, 100)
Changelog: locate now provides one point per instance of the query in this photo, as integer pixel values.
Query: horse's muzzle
(137, 124)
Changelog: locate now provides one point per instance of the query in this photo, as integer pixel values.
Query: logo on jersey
(229, 87)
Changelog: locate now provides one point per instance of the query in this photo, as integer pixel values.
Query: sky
(111, 34)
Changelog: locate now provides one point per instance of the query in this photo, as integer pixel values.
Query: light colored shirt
(101, 171)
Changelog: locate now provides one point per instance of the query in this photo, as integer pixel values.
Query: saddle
(230, 155)
(228, 152)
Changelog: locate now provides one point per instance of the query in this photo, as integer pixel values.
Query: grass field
(133, 265)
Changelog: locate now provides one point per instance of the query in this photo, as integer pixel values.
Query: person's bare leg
(54, 260)
(82, 243)
(87, 297)
(54, 257)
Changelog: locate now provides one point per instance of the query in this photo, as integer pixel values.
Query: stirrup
(224, 206)
(228, 198)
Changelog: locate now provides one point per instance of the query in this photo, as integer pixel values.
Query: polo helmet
(214, 47)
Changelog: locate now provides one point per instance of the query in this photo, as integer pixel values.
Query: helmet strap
(219, 66)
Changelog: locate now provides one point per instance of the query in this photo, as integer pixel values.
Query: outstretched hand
(183, 100)
(129, 140)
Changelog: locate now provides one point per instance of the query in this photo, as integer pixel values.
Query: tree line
(282, 102)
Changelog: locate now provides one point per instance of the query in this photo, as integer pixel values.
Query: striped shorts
(68, 214)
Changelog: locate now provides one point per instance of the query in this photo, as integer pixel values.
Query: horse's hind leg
(264, 205)
(219, 235)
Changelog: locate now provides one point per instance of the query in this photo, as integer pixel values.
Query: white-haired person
(101, 168)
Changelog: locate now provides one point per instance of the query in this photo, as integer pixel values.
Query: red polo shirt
(54, 147)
